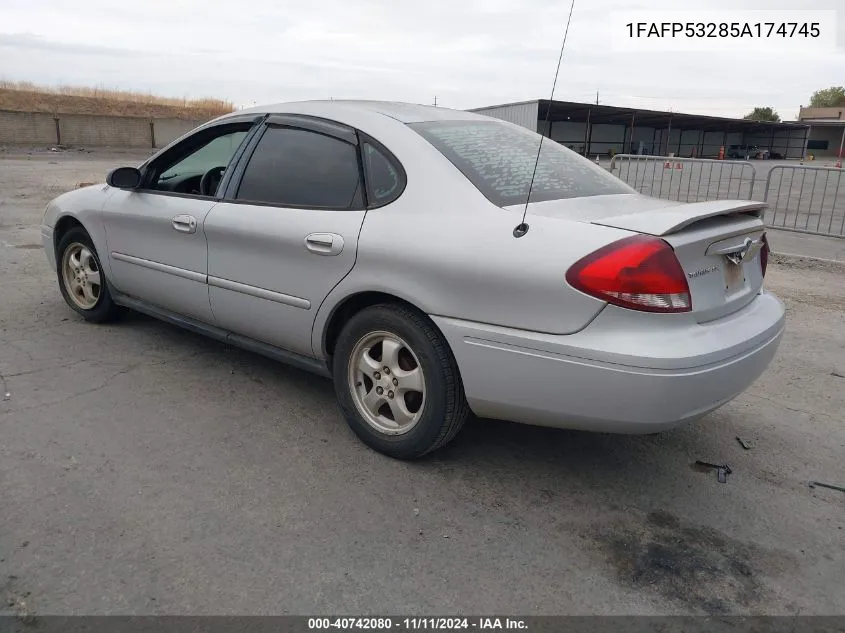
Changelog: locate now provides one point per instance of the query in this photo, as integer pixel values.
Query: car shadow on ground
(481, 439)
(520, 459)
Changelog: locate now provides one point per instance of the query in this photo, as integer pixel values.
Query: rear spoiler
(671, 219)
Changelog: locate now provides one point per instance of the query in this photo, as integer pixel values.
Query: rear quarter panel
(446, 249)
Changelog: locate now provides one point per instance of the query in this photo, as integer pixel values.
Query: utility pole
(597, 97)
(435, 101)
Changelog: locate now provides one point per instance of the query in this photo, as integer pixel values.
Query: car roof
(341, 109)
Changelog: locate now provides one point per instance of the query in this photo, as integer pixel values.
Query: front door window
(196, 166)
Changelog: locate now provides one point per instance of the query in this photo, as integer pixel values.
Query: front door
(287, 232)
(156, 245)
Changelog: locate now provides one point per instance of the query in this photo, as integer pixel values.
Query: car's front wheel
(397, 382)
(82, 281)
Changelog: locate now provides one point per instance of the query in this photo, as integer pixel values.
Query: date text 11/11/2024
(416, 624)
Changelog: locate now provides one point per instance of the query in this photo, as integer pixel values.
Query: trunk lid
(717, 242)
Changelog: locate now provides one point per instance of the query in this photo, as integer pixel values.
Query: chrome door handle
(185, 223)
(324, 243)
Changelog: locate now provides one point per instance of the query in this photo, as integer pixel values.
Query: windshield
(498, 158)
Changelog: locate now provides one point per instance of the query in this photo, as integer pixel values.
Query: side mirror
(124, 178)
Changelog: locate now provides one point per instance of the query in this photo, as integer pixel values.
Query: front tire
(397, 383)
(82, 281)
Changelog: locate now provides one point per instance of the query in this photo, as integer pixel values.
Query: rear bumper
(626, 372)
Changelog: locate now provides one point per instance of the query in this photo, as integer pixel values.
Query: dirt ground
(146, 470)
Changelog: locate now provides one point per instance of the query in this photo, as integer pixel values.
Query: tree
(828, 97)
(762, 114)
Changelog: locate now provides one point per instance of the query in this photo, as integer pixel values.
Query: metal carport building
(601, 130)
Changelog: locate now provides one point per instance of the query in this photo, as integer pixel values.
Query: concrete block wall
(27, 128)
(81, 130)
(168, 130)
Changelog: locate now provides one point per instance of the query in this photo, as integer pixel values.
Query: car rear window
(498, 158)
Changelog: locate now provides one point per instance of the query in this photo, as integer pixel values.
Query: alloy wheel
(81, 275)
(387, 383)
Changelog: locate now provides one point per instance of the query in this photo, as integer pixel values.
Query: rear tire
(397, 383)
(82, 280)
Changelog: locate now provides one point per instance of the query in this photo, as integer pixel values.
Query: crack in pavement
(29, 372)
(788, 408)
(104, 384)
(5, 393)
(22, 351)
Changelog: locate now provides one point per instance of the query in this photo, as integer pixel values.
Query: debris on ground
(813, 484)
(743, 443)
(21, 610)
(837, 374)
(722, 470)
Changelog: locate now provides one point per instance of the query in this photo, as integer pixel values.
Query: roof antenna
(522, 228)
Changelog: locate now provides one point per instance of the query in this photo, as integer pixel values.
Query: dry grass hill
(28, 97)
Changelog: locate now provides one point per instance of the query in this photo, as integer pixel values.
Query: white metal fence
(800, 197)
(686, 179)
(806, 199)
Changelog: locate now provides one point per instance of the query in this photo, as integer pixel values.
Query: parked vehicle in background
(375, 243)
(747, 151)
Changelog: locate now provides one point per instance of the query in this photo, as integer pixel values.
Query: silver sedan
(381, 244)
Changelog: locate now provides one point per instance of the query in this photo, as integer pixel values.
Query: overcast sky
(468, 53)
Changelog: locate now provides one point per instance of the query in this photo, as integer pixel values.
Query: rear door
(287, 232)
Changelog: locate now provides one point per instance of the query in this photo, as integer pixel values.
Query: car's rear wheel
(82, 281)
(397, 382)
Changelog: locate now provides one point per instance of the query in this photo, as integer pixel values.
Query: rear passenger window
(385, 179)
(299, 168)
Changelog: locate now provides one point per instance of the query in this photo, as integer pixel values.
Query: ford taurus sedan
(382, 244)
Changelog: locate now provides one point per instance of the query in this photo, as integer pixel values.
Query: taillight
(639, 272)
(764, 255)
